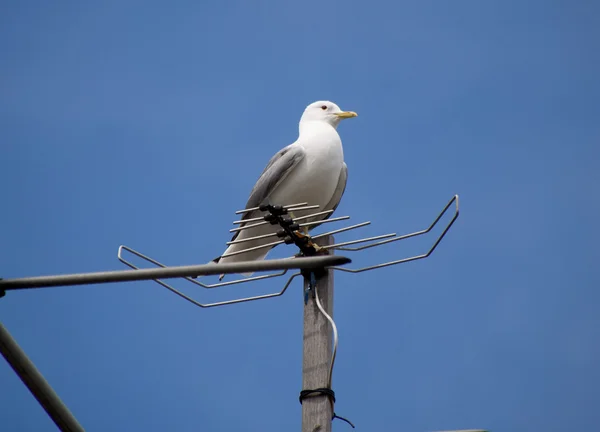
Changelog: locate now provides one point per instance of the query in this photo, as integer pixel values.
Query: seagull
(310, 170)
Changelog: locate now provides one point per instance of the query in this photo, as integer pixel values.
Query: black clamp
(324, 391)
(277, 216)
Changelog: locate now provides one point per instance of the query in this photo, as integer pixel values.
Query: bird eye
(324, 107)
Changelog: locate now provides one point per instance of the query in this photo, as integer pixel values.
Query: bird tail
(216, 261)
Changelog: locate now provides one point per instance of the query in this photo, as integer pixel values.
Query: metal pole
(171, 272)
(317, 411)
(36, 383)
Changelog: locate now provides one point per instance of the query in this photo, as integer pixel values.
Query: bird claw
(316, 247)
(301, 235)
(311, 244)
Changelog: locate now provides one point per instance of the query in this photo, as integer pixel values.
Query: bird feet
(302, 233)
(318, 249)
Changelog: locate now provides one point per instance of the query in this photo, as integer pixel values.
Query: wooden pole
(317, 410)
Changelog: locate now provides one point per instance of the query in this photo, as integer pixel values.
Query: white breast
(315, 178)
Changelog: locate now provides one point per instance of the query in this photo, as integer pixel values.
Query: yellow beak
(346, 114)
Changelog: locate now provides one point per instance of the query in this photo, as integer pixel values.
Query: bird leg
(303, 233)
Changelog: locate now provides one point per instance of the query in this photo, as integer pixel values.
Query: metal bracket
(342, 246)
(307, 245)
(208, 286)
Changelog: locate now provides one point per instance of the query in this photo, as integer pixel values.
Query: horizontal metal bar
(189, 279)
(245, 227)
(172, 272)
(305, 224)
(337, 231)
(310, 207)
(278, 242)
(258, 208)
(266, 245)
(245, 221)
(274, 234)
(208, 305)
(321, 213)
(262, 218)
(363, 240)
(246, 240)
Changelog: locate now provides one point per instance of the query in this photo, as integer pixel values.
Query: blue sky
(146, 124)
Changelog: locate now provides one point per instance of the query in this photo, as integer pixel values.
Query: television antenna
(314, 261)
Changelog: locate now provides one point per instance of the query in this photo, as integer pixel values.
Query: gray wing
(337, 194)
(278, 168)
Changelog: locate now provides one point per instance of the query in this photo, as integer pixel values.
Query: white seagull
(310, 170)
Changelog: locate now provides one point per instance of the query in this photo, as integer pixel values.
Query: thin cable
(330, 392)
(335, 334)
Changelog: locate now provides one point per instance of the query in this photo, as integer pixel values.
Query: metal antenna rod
(36, 383)
(171, 272)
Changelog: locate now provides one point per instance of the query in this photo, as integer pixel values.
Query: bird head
(325, 111)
